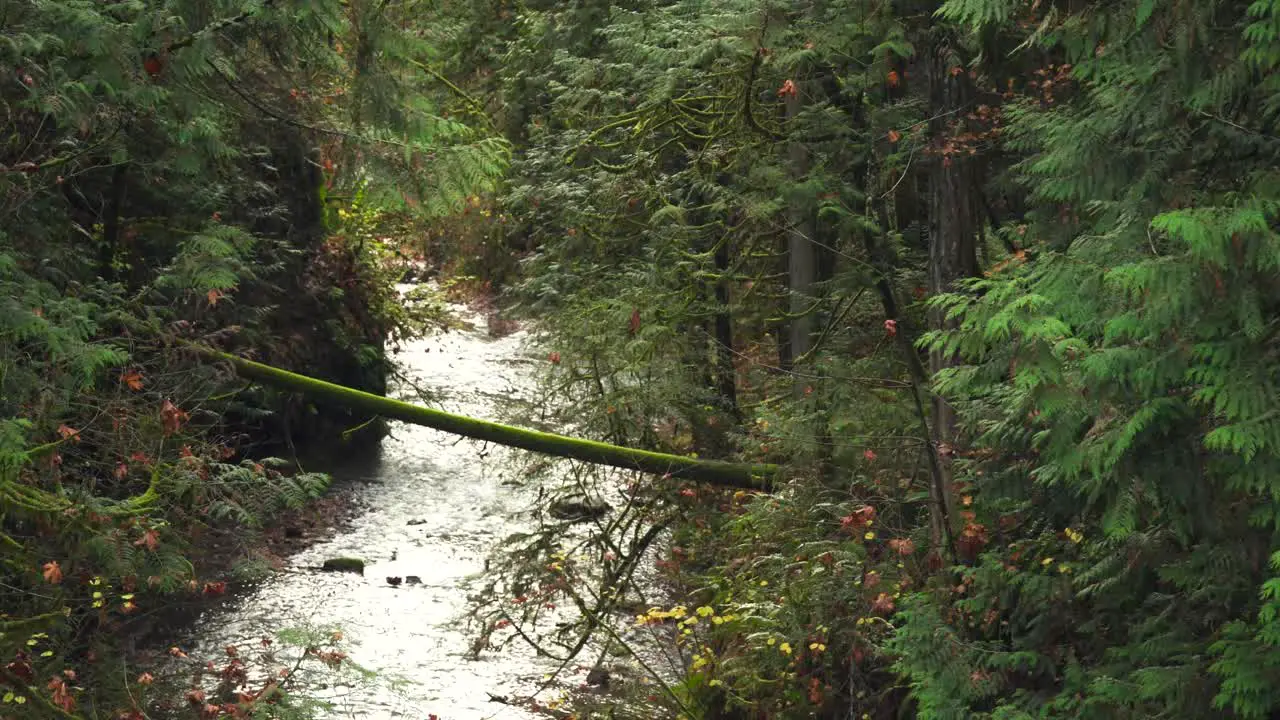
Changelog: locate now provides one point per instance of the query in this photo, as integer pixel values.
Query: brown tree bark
(954, 212)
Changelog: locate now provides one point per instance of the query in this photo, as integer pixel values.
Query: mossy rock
(343, 564)
(578, 509)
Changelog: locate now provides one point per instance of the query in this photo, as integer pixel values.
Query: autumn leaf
(554, 357)
(902, 546)
(635, 321)
(890, 327)
(172, 418)
(894, 136)
(52, 572)
(61, 694)
(153, 65)
(869, 454)
(121, 471)
(145, 679)
(213, 296)
(132, 379)
(893, 79)
(788, 90)
(150, 539)
(69, 433)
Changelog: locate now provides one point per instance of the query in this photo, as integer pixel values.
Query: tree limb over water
(715, 472)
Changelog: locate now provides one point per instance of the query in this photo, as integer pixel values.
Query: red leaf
(890, 327)
(869, 454)
(788, 90)
(554, 358)
(69, 433)
(893, 79)
(894, 136)
(635, 319)
(150, 538)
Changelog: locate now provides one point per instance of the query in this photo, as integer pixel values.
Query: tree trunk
(739, 475)
(802, 257)
(953, 224)
(726, 375)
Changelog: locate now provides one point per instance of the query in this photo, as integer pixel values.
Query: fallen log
(716, 472)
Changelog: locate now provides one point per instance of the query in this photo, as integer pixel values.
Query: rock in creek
(344, 564)
(578, 509)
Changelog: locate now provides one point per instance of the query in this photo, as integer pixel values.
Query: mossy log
(739, 475)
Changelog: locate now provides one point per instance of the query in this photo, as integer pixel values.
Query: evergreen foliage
(1106, 495)
(233, 171)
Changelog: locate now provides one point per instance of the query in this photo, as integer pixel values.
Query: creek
(435, 506)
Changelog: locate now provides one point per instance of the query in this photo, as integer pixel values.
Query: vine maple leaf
(132, 379)
(61, 694)
(635, 321)
(172, 417)
(150, 539)
(52, 572)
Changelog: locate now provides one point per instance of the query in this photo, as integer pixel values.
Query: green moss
(344, 564)
(717, 472)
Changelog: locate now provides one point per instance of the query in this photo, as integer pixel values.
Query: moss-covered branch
(716, 472)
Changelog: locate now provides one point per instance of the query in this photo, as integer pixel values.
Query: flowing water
(436, 505)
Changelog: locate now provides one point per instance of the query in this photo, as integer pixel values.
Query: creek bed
(436, 506)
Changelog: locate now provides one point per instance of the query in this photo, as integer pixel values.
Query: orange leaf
(132, 378)
(894, 136)
(902, 546)
(172, 418)
(213, 296)
(52, 572)
(69, 433)
(893, 79)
